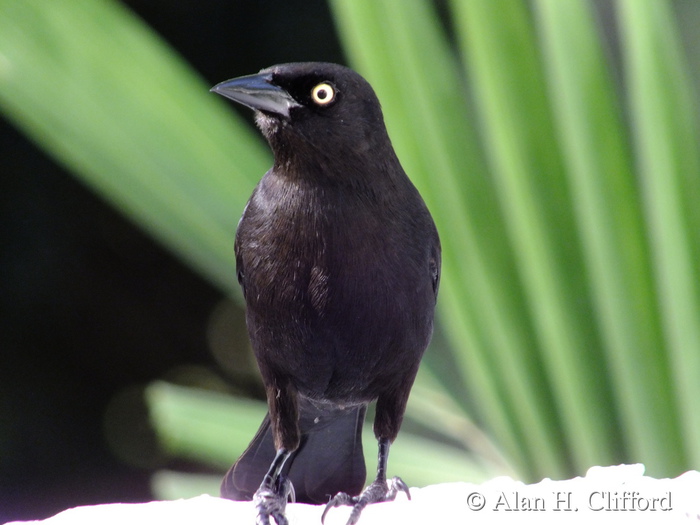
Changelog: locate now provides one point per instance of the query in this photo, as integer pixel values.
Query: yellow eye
(323, 94)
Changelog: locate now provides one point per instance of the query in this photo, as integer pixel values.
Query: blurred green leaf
(664, 116)
(94, 86)
(203, 425)
(171, 485)
(600, 169)
(499, 44)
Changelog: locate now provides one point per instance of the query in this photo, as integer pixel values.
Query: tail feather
(329, 458)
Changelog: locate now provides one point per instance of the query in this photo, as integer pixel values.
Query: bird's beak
(257, 92)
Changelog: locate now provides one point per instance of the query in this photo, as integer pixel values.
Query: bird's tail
(329, 458)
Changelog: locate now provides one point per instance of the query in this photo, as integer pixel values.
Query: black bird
(339, 261)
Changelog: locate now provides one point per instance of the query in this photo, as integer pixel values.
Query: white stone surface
(620, 494)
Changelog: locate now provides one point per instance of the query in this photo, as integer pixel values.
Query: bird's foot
(270, 502)
(377, 492)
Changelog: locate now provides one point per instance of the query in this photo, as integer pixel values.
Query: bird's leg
(379, 490)
(271, 498)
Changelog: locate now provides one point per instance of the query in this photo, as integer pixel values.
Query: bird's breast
(330, 286)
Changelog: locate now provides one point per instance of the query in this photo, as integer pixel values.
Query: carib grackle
(339, 261)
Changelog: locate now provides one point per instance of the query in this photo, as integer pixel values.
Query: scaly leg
(271, 498)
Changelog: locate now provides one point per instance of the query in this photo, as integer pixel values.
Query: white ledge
(619, 494)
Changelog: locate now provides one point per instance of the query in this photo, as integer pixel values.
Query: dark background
(91, 308)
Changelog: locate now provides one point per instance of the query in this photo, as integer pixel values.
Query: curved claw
(339, 499)
(397, 485)
(291, 493)
(271, 503)
(377, 492)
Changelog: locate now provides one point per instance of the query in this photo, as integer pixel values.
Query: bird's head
(315, 106)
